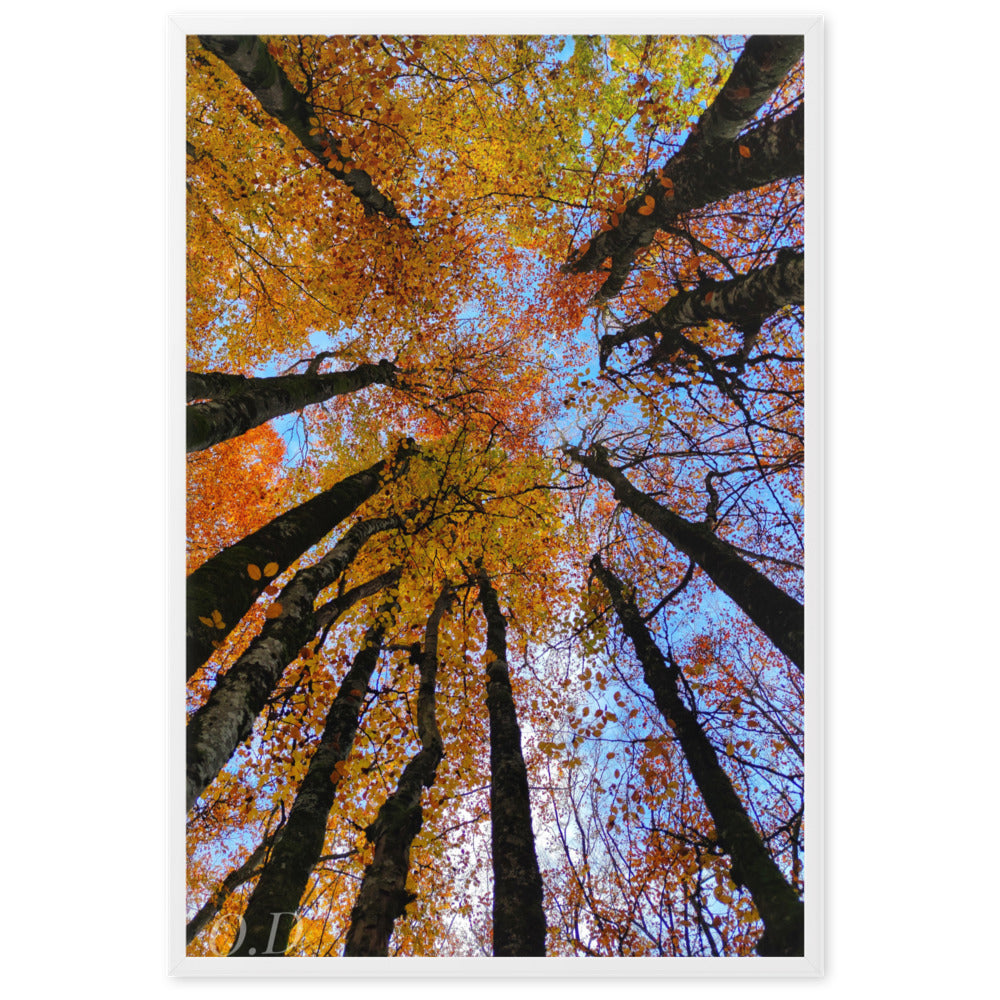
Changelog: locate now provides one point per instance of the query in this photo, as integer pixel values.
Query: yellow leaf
(721, 895)
(206, 621)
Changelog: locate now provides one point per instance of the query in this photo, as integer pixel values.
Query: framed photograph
(498, 521)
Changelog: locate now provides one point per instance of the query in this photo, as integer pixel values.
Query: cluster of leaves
(500, 155)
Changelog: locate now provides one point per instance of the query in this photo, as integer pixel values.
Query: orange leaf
(274, 611)
(253, 571)
(648, 205)
(709, 297)
(739, 93)
(271, 589)
(270, 569)
(206, 621)
(355, 692)
(744, 152)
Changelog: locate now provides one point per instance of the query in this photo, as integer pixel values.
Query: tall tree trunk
(248, 58)
(237, 404)
(764, 62)
(744, 301)
(779, 616)
(236, 878)
(711, 165)
(240, 694)
(383, 896)
(518, 916)
(271, 911)
(222, 590)
(777, 902)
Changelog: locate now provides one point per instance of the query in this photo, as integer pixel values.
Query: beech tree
(495, 645)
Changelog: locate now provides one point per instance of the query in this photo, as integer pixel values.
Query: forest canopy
(495, 521)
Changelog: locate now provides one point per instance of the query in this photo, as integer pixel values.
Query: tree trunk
(779, 616)
(711, 165)
(276, 896)
(518, 916)
(237, 404)
(744, 301)
(247, 56)
(230, 884)
(336, 606)
(240, 694)
(764, 62)
(383, 896)
(222, 590)
(777, 902)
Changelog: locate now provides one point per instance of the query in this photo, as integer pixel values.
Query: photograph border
(812, 964)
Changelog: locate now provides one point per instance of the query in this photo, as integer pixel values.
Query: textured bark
(223, 583)
(776, 614)
(518, 916)
(248, 58)
(237, 404)
(744, 301)
(236, 878)
(776, 900)
(764, 62)
(241, 693)
(270, 913)
(383, 896)
(702, 173)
